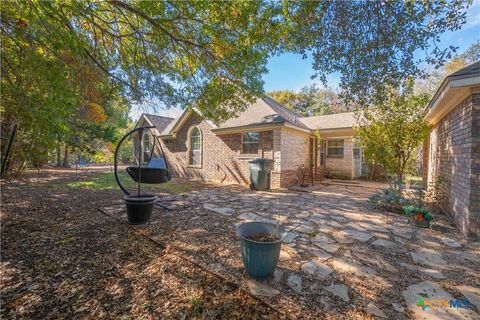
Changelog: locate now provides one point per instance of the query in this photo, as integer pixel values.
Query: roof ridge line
(156, 115)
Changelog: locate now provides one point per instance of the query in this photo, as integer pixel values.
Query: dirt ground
(62, 258)
(68, 252)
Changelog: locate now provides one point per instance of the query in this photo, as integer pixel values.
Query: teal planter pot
(260, 258)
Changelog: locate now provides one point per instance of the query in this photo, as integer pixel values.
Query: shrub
(389, 197)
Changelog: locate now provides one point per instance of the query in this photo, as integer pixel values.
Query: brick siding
(452, 155)
(346, 165)
(294, 153)
(222, 160)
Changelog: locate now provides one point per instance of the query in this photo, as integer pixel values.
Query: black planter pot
(139, 208)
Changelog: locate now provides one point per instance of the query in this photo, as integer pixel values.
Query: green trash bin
(260, 169)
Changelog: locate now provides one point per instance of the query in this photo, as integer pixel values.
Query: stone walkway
(340, 257)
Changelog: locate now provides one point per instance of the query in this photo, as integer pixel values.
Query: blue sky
(290, 71)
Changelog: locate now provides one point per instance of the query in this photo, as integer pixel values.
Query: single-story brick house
(452, 151)
(200, 149)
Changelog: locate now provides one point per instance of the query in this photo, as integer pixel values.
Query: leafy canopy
(435, 78)
(196, 52)
(212, 54)
(371, 44)
(310, 100)
(392, 129)
(70, 68)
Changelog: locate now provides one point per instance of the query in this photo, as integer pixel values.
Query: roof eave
(143, 116)
(459, 87)
(250, 127)
(167, 136)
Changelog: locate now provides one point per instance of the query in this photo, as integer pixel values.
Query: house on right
(452, 150)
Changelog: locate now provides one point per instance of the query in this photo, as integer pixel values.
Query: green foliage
(371, 43)
(196, 305)
(412, 211)
(106, 181)
(310, 100)
(207, 54)
(431, 84)
(392, 129)
(70, 68)
(288, 98)
(390, 197)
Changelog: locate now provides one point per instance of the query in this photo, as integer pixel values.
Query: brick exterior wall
(475, 168)
(346, 165)
(294, 153)
(222, 160)
(452, 155)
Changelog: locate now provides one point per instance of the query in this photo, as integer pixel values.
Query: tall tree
(319, 101)
(371, 44)
(210, 54)
(288, 98)
(435, 78)
(392, 129)
(69, 68)
(310, 100)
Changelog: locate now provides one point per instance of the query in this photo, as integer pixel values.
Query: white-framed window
(147, 145)
(195, 147)
(335, 148)
(250, 142)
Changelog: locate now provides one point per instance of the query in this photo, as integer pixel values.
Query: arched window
(147, 148)
(195, 147)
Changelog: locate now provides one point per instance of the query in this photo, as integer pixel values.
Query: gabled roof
(159, 122)
(456, 87)
(263, 112)
(331, 121)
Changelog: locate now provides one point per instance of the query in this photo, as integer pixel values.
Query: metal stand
(115, 163)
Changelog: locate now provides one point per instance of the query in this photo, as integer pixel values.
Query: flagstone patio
(340, 254)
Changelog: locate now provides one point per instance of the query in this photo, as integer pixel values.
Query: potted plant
(421, 216)
(260, 244)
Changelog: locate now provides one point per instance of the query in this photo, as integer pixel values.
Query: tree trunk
(399, 179)
(59, 156)
(372, 171)
(65, 158)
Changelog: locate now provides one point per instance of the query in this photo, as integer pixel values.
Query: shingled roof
(331, 121)
(264, 111)
(468, 71)
(158, 121)
(454, 88)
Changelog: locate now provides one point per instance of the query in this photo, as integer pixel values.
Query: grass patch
(106, 181)
(66, 241)
(415, 181)
(196, 305)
